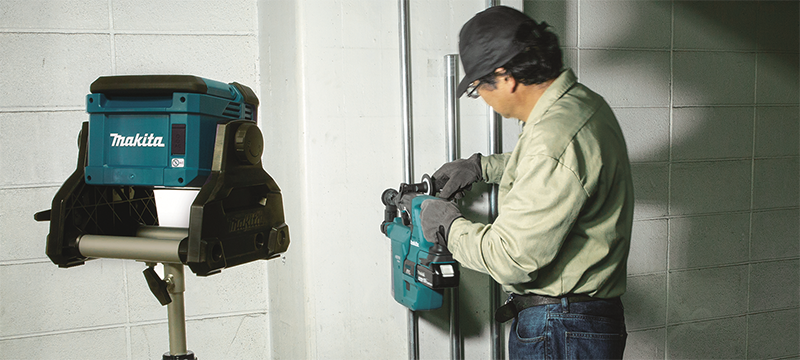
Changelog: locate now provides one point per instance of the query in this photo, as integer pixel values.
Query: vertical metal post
(413, 335)
(405, 93)
(497, 329)
(451, 105)
(495, 147)
(408, 150)
(173, 274)
(452, 119)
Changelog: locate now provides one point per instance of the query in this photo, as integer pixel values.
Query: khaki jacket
(565, 202)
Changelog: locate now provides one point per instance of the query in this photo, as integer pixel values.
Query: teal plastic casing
(159, 137)
(410, 248)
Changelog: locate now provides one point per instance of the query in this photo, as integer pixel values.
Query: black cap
(486, 42)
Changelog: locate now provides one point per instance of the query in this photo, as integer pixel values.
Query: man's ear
(511, 82)
(504, 76)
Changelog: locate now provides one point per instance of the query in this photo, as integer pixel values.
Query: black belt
(518, 303)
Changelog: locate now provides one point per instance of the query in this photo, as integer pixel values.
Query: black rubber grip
(154, 85)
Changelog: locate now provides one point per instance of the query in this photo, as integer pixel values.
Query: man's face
(495, 95)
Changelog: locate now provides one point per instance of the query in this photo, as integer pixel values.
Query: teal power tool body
(421, 269)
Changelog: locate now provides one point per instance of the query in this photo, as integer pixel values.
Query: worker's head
(504, 38)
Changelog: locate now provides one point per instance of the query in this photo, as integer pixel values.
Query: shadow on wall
(727, 67)
(707, 95)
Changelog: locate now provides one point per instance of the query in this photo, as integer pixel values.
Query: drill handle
(425, 187)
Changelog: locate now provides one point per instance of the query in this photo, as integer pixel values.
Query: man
(560, 242)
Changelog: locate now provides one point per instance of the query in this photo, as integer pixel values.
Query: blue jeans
(581, 330)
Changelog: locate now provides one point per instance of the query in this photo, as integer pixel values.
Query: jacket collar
(557, 89)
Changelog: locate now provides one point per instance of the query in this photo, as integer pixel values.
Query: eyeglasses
(472, 89)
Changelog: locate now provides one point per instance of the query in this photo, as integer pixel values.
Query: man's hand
(456, 176)
(436, 216)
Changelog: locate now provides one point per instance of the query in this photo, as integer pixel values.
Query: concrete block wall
(52, 51)
(707, 96)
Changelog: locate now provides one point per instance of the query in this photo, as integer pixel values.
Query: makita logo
(246, 222)
(148, 140)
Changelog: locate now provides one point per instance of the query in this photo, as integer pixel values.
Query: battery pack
(159, 130)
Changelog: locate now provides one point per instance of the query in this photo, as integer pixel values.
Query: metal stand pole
(173, 275)
(452, 117)
(152, 244)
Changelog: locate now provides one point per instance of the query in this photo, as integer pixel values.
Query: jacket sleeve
(535, 217)
(492, 167)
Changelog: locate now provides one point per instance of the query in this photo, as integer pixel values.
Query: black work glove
(456, 176)
(436, 216)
